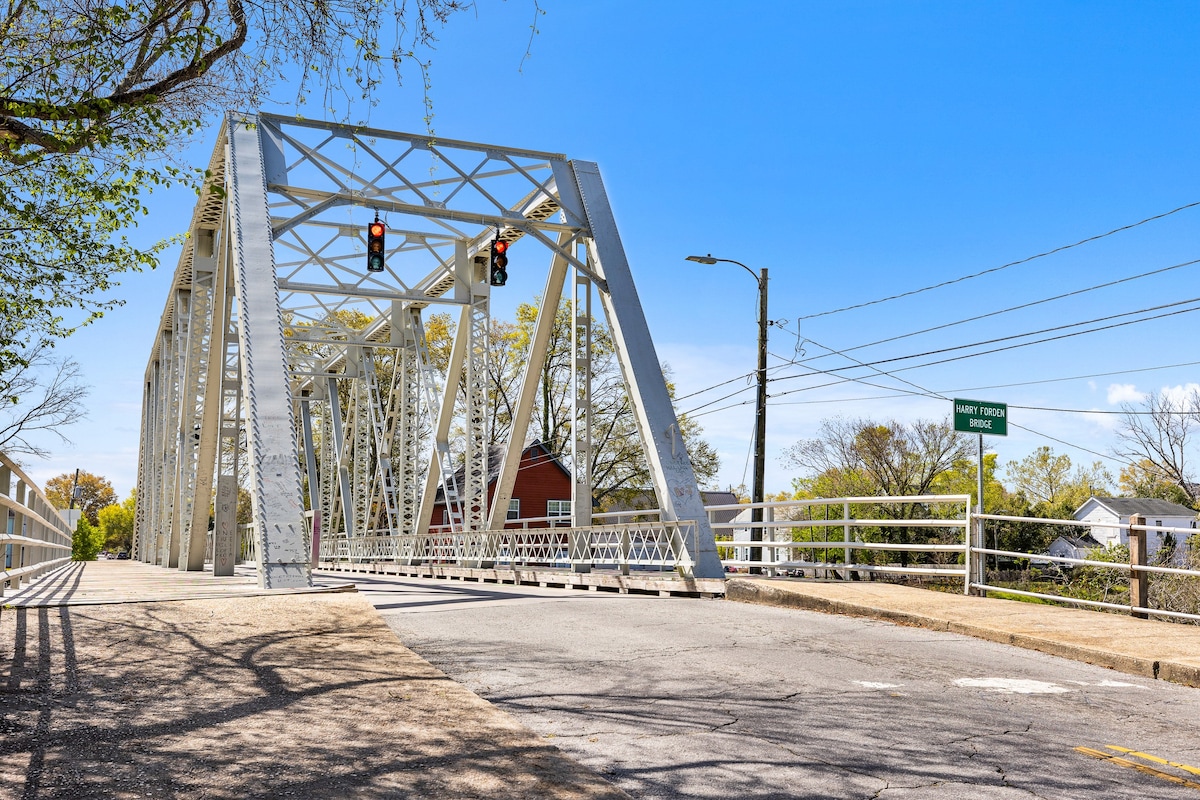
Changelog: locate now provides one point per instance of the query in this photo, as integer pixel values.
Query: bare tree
(38, 393)
(864, 457)
(1160, 432)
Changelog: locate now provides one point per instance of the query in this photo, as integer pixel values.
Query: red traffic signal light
(375, 233)
(498, 273)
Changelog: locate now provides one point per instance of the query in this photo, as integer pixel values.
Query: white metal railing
(777, 548)
(1133, 570)
(961, 557)
(624, 546)
(247, 545)
(34, 536)
(830, 538)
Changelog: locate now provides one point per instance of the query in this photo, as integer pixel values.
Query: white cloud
(1124, 393)
(1106, 423)
(1179, 395)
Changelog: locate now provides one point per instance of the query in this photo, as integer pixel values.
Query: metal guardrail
(774, 553)
(1137, 570)
(785, 521)
(34, 536)
(849, 538)
(623, 546)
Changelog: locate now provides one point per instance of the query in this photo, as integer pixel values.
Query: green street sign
(976, 416)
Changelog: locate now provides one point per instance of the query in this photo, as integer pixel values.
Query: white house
(1072, 546)
(1109, 514)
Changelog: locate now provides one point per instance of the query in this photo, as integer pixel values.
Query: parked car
(123, 555)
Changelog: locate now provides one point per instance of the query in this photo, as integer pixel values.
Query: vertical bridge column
(274, 468)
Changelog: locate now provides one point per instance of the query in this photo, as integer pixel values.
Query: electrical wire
(1105, 456)
(1046, 330)
(1077, 377)
(792, 361)
(1010, 338)
(1020, 307)
(1122, 412)
(944, 392)
(843, 379)
(1002, 266)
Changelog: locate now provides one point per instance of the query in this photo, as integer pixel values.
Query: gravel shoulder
(252, 697)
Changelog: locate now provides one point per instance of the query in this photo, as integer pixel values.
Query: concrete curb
(750, 591)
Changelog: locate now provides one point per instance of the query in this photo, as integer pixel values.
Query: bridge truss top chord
(280, 356)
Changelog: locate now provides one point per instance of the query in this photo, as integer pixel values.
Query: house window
(558, 508)
(514, 509)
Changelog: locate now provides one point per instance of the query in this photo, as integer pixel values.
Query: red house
(542, 488)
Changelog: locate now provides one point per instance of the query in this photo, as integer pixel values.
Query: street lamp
(760, 419)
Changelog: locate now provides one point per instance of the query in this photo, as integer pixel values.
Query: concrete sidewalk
(300, 695)
(1150, 648)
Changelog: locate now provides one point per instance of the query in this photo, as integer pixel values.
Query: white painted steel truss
(277, 340)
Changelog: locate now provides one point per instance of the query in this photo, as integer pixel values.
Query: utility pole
(74, 491)
(760, 425)
(760, 417)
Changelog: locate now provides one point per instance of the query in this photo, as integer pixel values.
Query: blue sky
(858, 150)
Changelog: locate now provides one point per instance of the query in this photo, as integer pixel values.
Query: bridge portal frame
(272, 320)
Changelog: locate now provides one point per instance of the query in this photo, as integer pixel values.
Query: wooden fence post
(1139, 582)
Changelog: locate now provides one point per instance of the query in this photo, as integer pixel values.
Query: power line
(843, 379)
(1105, 456)
(1002, 266)
(1077, 377)
(1049, 330)
(1017, 307)
(929, 394)
(1086, 411)
(944, 392)
(1010, 338)
(743, 376)
(871, 366)
(788, 362)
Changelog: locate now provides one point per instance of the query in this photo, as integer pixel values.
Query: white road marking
(1109, 684)
(1012, 685)
(875, 685)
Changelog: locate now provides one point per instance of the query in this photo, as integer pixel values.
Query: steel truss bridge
(280, 360)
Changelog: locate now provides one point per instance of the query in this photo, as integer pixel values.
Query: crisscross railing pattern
(642, 545)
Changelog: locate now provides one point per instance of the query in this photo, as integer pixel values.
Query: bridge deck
(664, 584)
(98, 582)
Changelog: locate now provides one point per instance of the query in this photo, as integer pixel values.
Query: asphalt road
(676, 698)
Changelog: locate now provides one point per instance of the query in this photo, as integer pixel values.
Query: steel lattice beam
(306, 334)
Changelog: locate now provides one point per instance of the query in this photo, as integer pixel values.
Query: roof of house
(718, 498)
(1085, 542)
(533, 451)
(644, 500)
(1147, 506)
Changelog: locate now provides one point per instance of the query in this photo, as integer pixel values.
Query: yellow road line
(1124, 762)
(1155, 759)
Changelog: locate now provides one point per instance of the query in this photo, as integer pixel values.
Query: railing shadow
(254, 697)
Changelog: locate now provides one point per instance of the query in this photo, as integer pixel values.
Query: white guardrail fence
(34, 537)
(624, 545)
(938, 536)
(926, 537)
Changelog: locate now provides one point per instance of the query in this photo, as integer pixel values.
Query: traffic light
(375, 233)
(499, 267)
